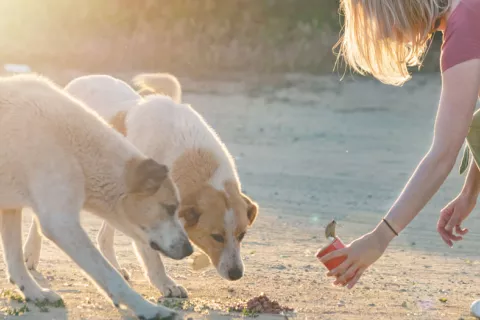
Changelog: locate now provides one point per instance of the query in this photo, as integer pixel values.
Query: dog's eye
(241, 236)
(218, 238)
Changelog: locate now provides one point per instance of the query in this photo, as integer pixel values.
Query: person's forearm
(471, 188)
(424, 183)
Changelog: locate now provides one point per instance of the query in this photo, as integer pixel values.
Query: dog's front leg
(66, 231)
(105, 239)
(11, 230)
(155, 272)
(33, 246)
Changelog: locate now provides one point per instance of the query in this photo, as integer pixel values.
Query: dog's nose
(187, 249)
(235, 274)
(155, 246)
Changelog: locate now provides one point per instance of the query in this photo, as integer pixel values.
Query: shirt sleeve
(461, 40)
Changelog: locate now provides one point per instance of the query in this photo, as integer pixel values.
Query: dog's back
(35, 112)
(172, 126)
(44, 128)
(105, 94)
(162, 126)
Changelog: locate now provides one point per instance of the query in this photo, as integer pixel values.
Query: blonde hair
(384, 37)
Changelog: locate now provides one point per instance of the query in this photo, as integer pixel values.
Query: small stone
(404, 304)
(279, 267)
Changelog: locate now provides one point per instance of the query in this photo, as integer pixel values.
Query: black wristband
(391, 228)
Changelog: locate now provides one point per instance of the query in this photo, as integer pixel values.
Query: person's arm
(471, 187)
(457, 104)
(453, 215)
(460, 88)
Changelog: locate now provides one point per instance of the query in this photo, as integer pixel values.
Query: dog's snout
(187, 248)
(235, 274)
(155, 246)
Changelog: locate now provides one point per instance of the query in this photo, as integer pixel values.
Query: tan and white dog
(58, 157)
(214, 211)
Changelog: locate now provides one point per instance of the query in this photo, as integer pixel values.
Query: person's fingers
(454, 237)
(454, 220)
(447, 241)
(445, 215)
(355, 279)
(459, 230)
(442, 222)
(334, 254)
(448, 222)
(443, 233)
(340, 270)
(449, 237)
(343, 279)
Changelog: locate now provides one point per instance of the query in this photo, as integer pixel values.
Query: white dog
(215, 213)
(58, 157)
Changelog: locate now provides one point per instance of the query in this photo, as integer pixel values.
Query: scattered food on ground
(260, 304)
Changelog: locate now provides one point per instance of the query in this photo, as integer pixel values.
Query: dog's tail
(163, 83)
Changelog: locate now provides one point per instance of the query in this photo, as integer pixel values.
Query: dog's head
(149, 209)
(217, 221)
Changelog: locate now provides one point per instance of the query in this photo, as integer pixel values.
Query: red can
(336, 244)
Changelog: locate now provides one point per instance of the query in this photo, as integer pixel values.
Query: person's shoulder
(461, 39)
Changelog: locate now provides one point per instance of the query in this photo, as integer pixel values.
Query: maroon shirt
(461, 39)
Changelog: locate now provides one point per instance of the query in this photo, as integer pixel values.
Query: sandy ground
(309, 149)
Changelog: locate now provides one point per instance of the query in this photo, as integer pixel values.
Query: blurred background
(194, 37)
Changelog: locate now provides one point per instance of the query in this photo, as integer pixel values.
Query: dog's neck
(193, 169)
(105, 169)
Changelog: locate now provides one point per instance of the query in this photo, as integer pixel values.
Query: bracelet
(391, 228)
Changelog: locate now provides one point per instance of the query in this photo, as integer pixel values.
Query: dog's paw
(41, 295)
(158, 313)
(173, 290)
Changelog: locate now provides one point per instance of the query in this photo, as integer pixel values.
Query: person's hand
(451, 217)
(360, 255)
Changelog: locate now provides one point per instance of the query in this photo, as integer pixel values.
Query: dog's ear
(145, 176)
(118, 122)
(252, 209)
(190, 215)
